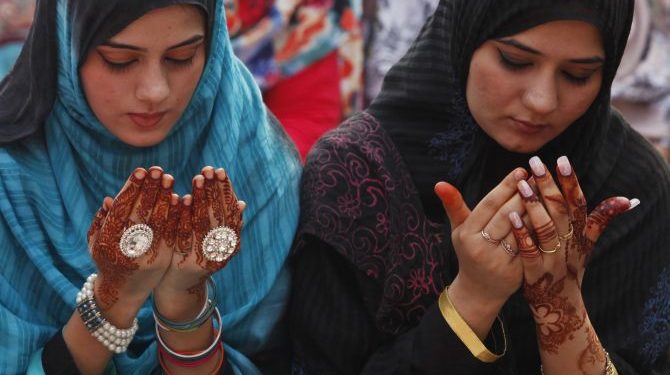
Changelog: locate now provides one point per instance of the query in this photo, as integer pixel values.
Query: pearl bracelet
(115, 339)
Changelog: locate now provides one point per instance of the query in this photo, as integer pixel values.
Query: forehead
(563, 38)
(167, 23)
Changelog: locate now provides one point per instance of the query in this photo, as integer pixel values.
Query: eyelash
(515, 66)
(123, 67)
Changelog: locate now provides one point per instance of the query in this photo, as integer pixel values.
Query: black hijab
(422, 104)
(422, 107)
(27, 94)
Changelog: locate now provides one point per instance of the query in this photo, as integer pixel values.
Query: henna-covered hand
(212, 205)
(555, 256)
(146, 198)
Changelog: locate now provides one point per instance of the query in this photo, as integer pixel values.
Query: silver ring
(508, 248)
(136, 240)
(219, 244)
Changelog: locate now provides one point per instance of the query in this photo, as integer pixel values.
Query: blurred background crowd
(318, 61)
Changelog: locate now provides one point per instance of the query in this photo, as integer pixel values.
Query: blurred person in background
(392, 26)
(307, 58)
(16, 16)
(642, 88)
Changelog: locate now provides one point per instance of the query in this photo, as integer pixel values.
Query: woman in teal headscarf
(100, 89)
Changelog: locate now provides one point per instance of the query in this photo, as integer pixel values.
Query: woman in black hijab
(486, 86)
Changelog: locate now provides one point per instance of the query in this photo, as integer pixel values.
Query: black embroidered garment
(373, 251)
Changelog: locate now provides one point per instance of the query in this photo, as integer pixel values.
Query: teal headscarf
(52, 183)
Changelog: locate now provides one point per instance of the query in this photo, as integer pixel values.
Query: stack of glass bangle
(114, 339)
(205, 314)
(190, 359)
(208, 310)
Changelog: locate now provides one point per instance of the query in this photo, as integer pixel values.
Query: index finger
(496, 198)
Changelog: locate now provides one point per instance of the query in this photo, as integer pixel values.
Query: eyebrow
(523, 47)
(189, 41)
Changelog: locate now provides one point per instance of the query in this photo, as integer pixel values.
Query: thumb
(607, 210)
(453, 203)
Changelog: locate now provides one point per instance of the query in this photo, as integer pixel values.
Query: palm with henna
(213, 204)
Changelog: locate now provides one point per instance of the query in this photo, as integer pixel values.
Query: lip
(146, 120)
(528, 127)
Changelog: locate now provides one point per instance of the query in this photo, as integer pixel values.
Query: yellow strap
(465, 333)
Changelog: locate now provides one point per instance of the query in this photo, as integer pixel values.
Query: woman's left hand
(207, 219)
(555, 255)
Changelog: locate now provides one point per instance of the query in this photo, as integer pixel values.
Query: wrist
(468, 297)
(180, 305)
(479, 312)
(123, 311)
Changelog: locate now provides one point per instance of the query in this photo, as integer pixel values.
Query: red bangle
(163, 355)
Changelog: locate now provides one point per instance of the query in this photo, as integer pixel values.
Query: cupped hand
(147, 199)
(555, 255)
(212, 208)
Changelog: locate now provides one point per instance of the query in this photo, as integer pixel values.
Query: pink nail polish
(537, 166)
(525, 189)
(634, 203)
(564, 166)
(516, 220)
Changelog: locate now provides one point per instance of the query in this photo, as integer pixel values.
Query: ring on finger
(219, 244)
(567, 236)
(508, 248)
(136, 240)
(555, 249)
(488, 238)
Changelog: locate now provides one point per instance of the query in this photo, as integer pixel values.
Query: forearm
(89, 354)
(575, 351)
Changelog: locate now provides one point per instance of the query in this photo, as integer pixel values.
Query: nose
(541, 96)
(153, 86)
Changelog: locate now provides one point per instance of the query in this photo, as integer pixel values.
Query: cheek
(188, 82)
(488, 90)
(101, 88)
(577, 103)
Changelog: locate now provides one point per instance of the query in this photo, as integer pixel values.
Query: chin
(146, 141)
(520, 147)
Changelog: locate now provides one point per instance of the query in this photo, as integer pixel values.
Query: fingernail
(174, 199)
(537, 166)
(564, 166)
(209, 173)
(168, 181)
(525, 189)
(187, 200)
(155, 173)
(634, 203)
(140, 173)
(221, 174)
(517, 223)
(199, 181)
(242, 205)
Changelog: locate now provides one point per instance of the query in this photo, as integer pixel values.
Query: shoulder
(359, 142)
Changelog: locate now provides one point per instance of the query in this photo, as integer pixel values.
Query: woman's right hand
(124, 283)
(487, 273)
